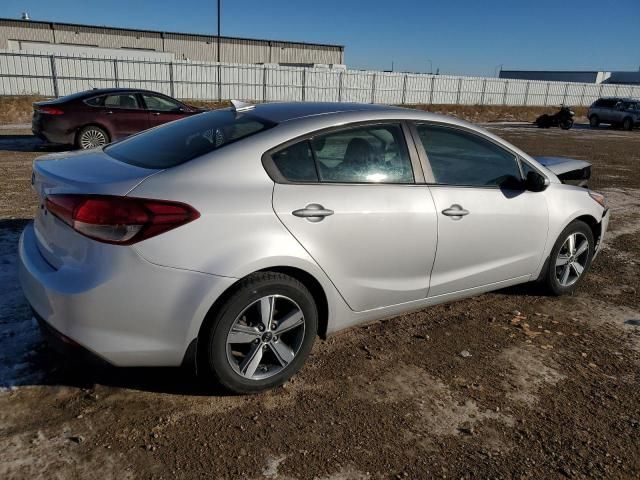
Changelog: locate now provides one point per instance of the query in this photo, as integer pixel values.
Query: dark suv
(619, 112)
(97, 117)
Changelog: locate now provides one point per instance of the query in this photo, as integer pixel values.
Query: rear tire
(594, 121)
(567, 267)
(91, 136)
(627, 124)
(262, 334)
(543, 121)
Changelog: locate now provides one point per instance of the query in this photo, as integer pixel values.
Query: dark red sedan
(100, 116)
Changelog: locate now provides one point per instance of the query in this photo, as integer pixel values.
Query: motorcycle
(562, 118)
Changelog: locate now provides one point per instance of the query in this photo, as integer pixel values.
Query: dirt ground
(551, 388)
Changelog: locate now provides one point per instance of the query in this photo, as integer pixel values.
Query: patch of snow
(20, 338)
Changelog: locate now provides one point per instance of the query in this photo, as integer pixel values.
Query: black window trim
(430, 179)
(416, 165)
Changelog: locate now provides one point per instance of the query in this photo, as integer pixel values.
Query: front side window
(126, 100)
(458, 157)
(180, 141)
(154, 102)
(367, 154)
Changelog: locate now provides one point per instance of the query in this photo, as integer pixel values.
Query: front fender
(567, 203)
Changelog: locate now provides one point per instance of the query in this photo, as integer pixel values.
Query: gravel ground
(550, 388)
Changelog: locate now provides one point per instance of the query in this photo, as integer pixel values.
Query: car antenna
(240, 106)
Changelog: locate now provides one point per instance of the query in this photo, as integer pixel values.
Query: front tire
(627, 124)
(570, 259)
(91, 136)
(262, 334)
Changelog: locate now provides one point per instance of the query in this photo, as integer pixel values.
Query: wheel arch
(594, 225)
(316, 290)
(195, 348)
(596, 228)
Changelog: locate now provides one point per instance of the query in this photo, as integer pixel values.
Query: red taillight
(119, 220)
(49, 110)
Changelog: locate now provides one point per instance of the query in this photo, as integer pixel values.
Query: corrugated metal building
(182, 45)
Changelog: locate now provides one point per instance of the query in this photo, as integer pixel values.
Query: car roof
(279, 112)
(102, 91)
(619, 99)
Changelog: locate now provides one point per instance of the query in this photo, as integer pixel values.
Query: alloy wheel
(572, 259)
(265, 337)
(92, 138)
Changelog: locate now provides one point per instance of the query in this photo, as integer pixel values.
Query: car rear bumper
(123, 309)
(66, 346)
(49, 131)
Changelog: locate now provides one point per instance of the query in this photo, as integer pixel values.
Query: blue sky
(458, 36)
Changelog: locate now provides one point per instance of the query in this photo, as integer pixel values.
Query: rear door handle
(455, 211)
(314, 212)
(109, 112)
(155, 113)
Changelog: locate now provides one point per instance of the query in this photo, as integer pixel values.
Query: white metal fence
(54, 75)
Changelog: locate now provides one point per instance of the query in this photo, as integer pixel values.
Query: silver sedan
(233, 238)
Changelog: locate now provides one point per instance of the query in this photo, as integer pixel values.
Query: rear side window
(458, 157)
(127, 100)
(367, 154)
(94, 102)
(296, 164)
(183, 140)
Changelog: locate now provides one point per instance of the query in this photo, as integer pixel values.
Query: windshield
(183, 140)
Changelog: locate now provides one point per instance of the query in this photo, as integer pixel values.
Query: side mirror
(536, 182)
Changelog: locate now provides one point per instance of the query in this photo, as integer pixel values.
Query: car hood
(567, 169)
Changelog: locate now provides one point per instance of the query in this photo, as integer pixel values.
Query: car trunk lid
(89, 172)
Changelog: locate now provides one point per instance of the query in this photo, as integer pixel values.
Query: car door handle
(109, 112)
(155, 113)
(455, 211)
(313, 212)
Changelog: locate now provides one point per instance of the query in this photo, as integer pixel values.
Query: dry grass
(497, 113)
(206, 103)
(17, 109)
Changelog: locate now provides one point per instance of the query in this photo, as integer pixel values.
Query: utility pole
(218, 58)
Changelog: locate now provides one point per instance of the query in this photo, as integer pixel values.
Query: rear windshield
(183, 140)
